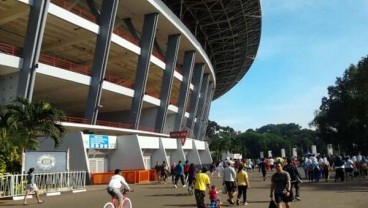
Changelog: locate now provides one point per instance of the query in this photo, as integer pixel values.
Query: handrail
(76, 120)
(174, 101)
(9, 49)
(87, 15)
(153, 94)
(119, 81)
(78, 11)
(57, 62)
(126, 36)
(158, 55)
(114, 124)
(109, 123)
(54, 61)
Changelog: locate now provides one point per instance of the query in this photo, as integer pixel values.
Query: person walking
(186, 170)
(179, 173)
(164, 171)
(31, 186)
(326, 169)
(191, 174)
(229, 180)
(202, 181)
(339, 169)
(158, 171)
(280, 186)
(243, 184)
(172, 172)
(295, 179)
(263, 166)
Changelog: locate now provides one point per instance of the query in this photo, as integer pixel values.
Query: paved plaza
(348, 194)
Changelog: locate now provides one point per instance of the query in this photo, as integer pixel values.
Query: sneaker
(40, 202)
(184, 186)
(298, 198)
(231, 202)
(175, 186)
(245, 203)
(237, 202)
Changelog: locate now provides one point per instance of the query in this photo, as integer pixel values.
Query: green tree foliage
(21, 123)
(33, 120)
(272, 137)
(343, 115)
(220, 139)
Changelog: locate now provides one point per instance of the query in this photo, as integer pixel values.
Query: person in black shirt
(295, 179)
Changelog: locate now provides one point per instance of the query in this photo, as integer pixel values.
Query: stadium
(127, 73)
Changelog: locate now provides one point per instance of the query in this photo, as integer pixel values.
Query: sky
(305, 45)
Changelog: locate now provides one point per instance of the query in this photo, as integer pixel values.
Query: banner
(44, 162)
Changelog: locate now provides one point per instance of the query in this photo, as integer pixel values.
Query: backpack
(186, 168)
(292, 171)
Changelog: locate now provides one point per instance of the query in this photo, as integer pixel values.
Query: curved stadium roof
(229, 31)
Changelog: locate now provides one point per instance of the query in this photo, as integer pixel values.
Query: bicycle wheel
(127, 203)
(109, 205)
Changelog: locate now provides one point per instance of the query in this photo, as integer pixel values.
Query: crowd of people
(286, 180)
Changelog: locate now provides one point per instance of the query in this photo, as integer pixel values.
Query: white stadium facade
(127, 73)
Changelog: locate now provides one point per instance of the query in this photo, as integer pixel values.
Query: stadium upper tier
(107, 62)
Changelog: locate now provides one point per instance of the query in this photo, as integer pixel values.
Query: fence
(14, 185)
(131, 176)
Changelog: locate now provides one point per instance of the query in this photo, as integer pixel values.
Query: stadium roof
(229, 31)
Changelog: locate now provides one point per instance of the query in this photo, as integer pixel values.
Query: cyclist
(117, 182)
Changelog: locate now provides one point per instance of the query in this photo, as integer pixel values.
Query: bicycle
(125, 204)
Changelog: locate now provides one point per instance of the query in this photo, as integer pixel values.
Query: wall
(8, 88)
(128, 154)
(77, 151)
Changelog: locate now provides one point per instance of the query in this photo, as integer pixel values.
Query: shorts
(32, 187)
(230, 186)
(114, 192)
(281, 198)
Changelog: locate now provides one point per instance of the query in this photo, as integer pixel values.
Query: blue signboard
(98, 141)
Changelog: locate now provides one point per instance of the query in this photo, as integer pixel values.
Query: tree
(343, 115)
(9, 157)
(21, 123)
(33, 120)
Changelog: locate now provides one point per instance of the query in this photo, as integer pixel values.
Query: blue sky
(305, 45)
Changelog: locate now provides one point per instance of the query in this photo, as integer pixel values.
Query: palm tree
(9, 152)
(33, 120)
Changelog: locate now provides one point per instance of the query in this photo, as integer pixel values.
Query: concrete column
(188, 64)
(32, 47)
(107, 21)
(148, 36)
(203, 124)
(201, 105)
(197, 82)
(167, 80)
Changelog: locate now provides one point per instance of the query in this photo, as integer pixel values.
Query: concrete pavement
(352, 194)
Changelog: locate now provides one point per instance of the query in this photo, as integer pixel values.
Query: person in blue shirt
(179, 173)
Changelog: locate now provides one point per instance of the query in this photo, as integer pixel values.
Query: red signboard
(182, 135)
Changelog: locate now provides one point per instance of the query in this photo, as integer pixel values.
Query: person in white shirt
(349, 168)
(229, 180)
(272, 161)
(117, 182)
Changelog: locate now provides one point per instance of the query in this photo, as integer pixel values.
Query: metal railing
(15, 185)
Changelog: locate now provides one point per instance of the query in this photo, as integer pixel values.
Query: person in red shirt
(215, 201)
